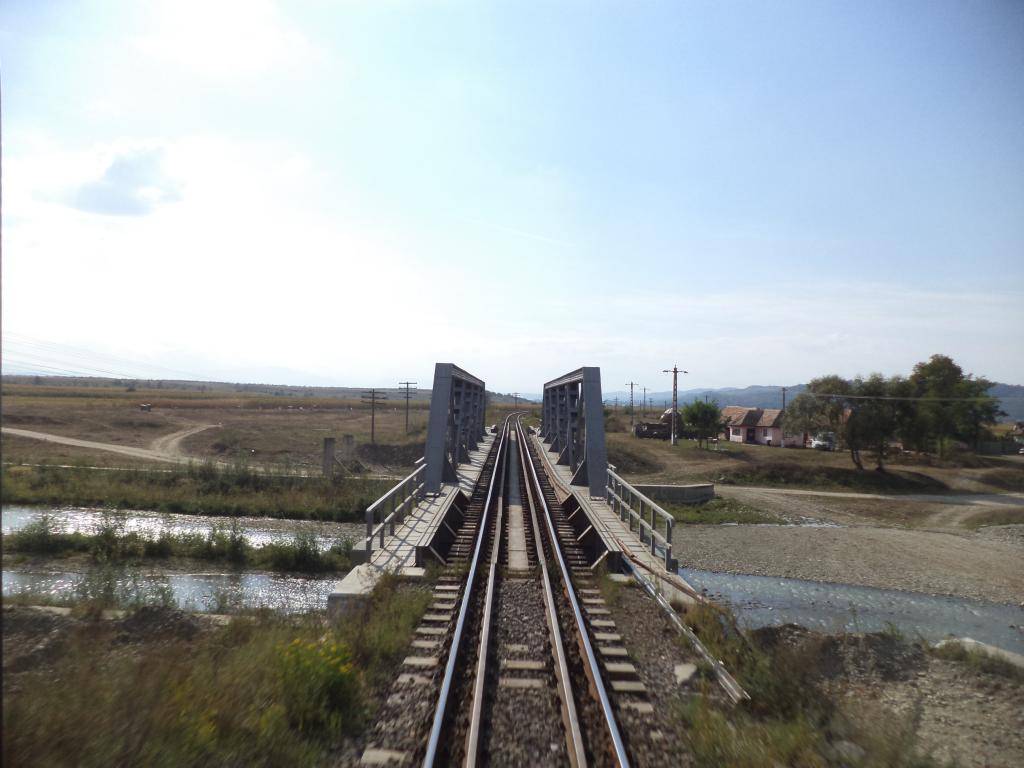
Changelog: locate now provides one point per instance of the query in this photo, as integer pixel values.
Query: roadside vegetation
(163, 688)
(112, 545)
(792, 718)
(204, 488)
(717, 511)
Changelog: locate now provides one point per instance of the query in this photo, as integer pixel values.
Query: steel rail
(480, 681)
(442, 700)
(592, 667)
(574, 736)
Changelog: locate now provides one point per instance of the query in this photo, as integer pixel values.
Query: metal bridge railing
(633, 507)
(392, 507)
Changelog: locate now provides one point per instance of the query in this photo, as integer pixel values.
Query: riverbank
(112, 544)
(194, 489)
(968, 564)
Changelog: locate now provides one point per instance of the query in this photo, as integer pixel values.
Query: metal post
(328, 458)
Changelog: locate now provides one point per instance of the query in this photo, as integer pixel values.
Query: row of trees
(928, 410)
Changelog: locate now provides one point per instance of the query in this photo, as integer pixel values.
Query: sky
(343, 193)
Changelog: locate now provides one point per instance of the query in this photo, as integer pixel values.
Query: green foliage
(197, 488)
(704, 419)
(111, 545)
(718, 510)
(937, 404)
(377, 630)
(320, 687)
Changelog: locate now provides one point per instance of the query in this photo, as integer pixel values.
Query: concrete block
(351, 590)
(679, 494)
(684, 672)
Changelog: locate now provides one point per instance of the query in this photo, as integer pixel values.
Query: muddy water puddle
(760, 601)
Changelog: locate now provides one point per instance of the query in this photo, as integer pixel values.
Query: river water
(206, 591)
(258, 530)
(757, 600)
(760, 601)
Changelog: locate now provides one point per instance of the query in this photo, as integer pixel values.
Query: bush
(320, 689)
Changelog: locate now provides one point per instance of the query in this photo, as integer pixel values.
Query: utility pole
(631, 385)
(784, 398)
(515, 396)
(616, 402)
(675, 371)
(371, 399)
(405, 385)
(643, 403)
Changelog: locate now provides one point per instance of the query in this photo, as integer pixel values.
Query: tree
(871, 422)
(952, 406)
(703, 418)
(804, 414)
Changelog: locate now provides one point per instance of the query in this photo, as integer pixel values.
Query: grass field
(268, 430)
(655, 461)
(196, 489)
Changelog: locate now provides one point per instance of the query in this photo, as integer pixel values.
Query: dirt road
(165, 448)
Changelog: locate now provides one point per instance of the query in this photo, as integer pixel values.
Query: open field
(283, 432)
(655, 461)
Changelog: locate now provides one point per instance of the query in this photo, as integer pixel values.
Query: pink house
(762, 426)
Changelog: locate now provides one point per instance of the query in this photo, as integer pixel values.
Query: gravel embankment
(980, 566)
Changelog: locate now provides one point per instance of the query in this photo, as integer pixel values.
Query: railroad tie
(611, 650)
(377, 756)
(608, 637)
(421, 662)
(524, 683)
(444, 617)
(629, 686)
(425, 644)
(620, 669)
(525, 665)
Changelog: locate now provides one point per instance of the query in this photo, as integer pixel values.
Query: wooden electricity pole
(643, 403)
(371, 399)
(405, 386)
(675, 371)
(515, 396)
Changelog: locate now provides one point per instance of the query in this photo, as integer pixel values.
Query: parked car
(825, 441)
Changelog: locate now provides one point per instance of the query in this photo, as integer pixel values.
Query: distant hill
(1011, 397)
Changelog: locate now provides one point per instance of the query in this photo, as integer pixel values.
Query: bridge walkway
(615, 533)
(420, 525)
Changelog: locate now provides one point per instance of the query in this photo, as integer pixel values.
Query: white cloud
(225, 39)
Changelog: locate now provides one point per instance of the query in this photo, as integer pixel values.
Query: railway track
(521, 663)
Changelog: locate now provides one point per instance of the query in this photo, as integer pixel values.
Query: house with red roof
(761, 426)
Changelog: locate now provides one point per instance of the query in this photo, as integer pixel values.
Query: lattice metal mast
(675, 371)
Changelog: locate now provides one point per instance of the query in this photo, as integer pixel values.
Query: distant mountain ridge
(1011, 397)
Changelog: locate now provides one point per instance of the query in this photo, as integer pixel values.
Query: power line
(371, 399)
(405, 385)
